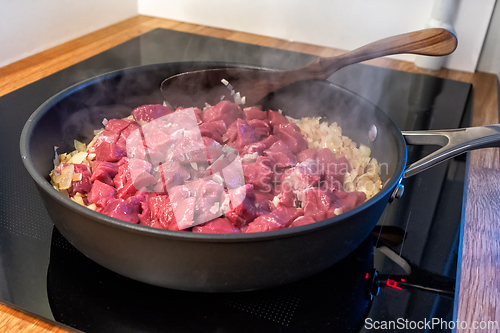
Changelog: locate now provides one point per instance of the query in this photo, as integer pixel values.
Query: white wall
(30, 26)
(490, 56)
(343, 24)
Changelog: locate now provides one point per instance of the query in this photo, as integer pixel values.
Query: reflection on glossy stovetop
(85, 295)
(33, 256)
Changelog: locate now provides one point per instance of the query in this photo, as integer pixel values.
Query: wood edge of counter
(479, 293)
(13, 319)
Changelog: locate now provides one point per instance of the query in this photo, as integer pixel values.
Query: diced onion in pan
(66, 177)
(78, 158)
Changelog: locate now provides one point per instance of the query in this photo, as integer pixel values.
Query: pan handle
(453, 142)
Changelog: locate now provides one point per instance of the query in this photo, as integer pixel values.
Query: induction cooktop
(43, 274)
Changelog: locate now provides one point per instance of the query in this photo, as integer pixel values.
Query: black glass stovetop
(41, 273)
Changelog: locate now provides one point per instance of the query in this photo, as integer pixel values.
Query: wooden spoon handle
(430, 42)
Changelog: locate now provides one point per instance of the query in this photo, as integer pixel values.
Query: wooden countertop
(479, 296)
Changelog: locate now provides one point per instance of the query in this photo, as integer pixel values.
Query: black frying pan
(218, 262)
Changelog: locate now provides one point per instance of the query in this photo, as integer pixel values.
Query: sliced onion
(78, 158)
(76, 177)
(66, 177)
(364, 150)
(80, 146)
(78, 199)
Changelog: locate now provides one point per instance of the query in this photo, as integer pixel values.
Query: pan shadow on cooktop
(89, 297)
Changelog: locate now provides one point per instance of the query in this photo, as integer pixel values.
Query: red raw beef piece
(269, 141)
(193, 133)
(184, 214)
(260, 174)
(254, 112)
(161, 213)
(332, 168)
(257, 147)
(101, 193)
(122, 143)
(217, 226)
(214, 130)
(157, 139)
(197, 171)
(110, 152)
(122, 161)
(213, 149)
(132, 131)
(240, 134)
(208, 201)
(137, 166)
(150, 112)
(143, 180)
(243, 210)
(290, 134)
(261, 128)
(316, 203)
(132, 126)
(178, 193)
(194, 186)
(82, 186)
(286, 215)
(128, 190)
(279, 218)
(144, 196)
(123, 175)
(307, 154)
(199, 115)
(106, 136)
(224, 110)
(286, 195)
(104, 172)
(302, 176)
(275, 118)
(183, 119)
(117, 125)
(264, 223)
(145, 215)
(302, 220)
(106, 148)
(125, 210)
(136, 148)
(263, 202)
(188, 151)
(348, 200)
(282, 154)
(171, 173)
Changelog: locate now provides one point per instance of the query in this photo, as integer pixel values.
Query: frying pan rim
(44, 185)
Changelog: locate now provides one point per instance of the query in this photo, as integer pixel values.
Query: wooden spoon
(204, 86)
